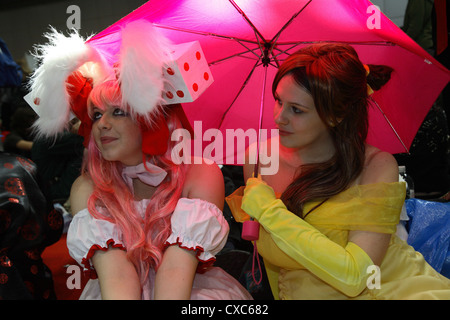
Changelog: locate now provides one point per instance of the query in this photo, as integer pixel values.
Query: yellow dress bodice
(403, 274)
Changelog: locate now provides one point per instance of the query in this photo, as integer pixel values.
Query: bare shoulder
(380, 166)
(205, 181)
(80, 192)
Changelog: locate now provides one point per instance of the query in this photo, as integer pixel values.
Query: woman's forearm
(117, 275)
(175, 275)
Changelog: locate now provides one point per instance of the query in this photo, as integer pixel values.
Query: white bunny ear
(60, 57)
(143, 55)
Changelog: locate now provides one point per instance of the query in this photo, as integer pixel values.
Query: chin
(287, 141)
(126, 157)
(109, 158)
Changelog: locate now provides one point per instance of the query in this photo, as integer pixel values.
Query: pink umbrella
(245, 41)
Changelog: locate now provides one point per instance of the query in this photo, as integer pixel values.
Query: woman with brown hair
(328, 217)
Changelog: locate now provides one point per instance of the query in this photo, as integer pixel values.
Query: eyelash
(117, 112)
(122, 113)
(294, 109)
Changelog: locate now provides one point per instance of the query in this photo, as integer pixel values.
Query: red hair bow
(79, 88)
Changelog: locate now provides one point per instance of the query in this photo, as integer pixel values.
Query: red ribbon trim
(204, 265)
(89, 269)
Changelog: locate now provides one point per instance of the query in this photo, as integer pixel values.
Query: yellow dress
(403, 274)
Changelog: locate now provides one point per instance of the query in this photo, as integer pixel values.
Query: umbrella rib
(249, 50)
(242, 13)
(238, 54)
(290, 21)
(241, 55)
(203, 33)
(390, 124)
(237, 95)
(362, 43)
(208, 34)
(298, 43)
(284, 51)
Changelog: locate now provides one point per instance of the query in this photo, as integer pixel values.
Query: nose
(280, 115)
(104, 122)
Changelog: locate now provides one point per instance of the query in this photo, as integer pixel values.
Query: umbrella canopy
(245, 41)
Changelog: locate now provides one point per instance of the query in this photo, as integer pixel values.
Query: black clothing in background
(28, 224)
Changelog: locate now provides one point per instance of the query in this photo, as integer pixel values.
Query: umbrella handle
(250, 230)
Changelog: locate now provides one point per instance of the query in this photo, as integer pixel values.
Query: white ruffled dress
(196, 225)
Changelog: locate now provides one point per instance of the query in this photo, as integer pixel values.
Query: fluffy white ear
(59, 58)
(144, 52)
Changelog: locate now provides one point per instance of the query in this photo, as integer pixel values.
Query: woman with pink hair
(144, 227)
(145, 236)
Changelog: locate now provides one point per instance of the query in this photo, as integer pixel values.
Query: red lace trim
(203, 265)
(89, 269)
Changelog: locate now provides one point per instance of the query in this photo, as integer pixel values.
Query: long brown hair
(337, 80)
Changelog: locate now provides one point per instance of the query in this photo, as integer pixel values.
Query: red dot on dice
(180, 93)
(169, 95)
(198, 55)
(37, 101)
(170, 71)
(206, 76)
(195, 87)
(186, 66)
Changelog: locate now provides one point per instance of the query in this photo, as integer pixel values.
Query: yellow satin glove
(258, 195)
(343, 268)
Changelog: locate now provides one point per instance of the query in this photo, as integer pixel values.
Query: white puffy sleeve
(86, 235)
(198, 225)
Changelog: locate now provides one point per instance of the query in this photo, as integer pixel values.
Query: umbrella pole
(261, 111)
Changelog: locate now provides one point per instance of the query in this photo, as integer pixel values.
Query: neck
(142, 190)
(134, 161)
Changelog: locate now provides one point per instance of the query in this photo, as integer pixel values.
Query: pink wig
(143, 237)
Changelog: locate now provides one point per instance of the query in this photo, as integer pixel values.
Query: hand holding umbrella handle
(250, 228)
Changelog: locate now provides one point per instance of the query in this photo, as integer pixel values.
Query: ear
(143, 54)
(61, 56)
(333, 123)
